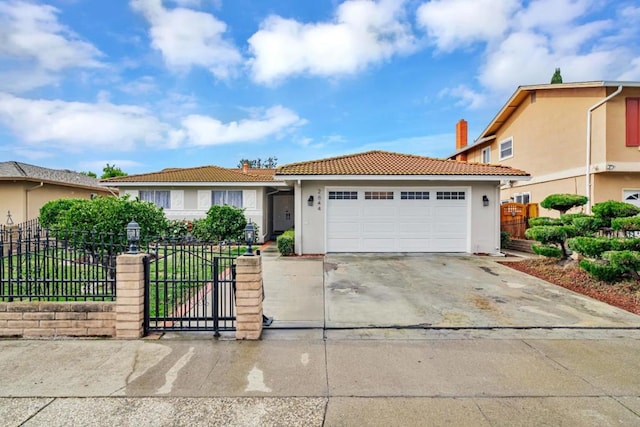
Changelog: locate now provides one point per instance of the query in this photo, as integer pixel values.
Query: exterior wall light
(249, 237)
(310, 201)
(485, 200)
(133, 236)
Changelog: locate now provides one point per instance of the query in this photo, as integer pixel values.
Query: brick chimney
(245, 167)
(461, 139)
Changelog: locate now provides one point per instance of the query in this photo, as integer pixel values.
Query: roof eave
(404, 177)
(52, 182)
(192, 184)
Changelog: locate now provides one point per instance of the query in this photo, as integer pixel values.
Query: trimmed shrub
(222, 223)
(505, 238)
(286, 242)
(601, 270)
(552, 235)
(629, 244)
(631, 223)
(613, 209)
(591, 247)
(563, 202)
(543, 220)
(547, 250)
(587, 225)
(624, 261)
(568, 219)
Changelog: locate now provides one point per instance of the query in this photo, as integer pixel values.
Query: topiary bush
(628, 224)
(588, 225)
(568, 219)
(547, 250)
(286, 242)
(563, 202)
(628, 244)
(550, 235)
(591, 247)
(624, 262)
(544, 220)
(613, 209)
(601, 270)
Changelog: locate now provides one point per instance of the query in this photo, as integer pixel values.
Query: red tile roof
(199, 174)
(386, 163)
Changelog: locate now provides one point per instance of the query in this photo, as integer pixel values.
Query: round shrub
(547, 251)
(544, 220)
(563, 202)
(600, 270)
(591, 247)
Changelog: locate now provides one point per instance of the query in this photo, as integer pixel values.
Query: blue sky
(149, 84)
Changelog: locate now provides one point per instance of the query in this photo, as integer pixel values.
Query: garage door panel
(398, 225)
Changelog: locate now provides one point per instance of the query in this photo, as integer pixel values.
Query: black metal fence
(190, 286)
(57, 265)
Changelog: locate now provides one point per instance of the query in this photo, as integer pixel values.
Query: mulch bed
(624, 295)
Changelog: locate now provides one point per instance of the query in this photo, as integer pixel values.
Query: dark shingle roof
(24, 171)
(386, 163)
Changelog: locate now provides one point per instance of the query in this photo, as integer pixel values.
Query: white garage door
(397, 220)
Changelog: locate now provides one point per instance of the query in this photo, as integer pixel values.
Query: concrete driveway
(452, 291)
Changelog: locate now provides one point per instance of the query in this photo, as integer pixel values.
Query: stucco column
(130, 296)
(249, 296)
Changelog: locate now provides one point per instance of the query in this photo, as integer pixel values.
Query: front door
(282, 212)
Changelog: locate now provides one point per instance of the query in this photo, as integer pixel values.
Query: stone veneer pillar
(249, 296)
(130, 296)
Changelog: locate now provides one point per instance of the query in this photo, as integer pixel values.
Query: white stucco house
(375, 201)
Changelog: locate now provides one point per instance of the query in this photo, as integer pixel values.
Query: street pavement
(301, 374)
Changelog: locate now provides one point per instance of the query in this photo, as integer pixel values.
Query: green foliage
(591, 247)
(286, 242)
(601, 270)
(627, 244)
(269, 163)
(563, 202)
(547, 251)
(613, 209)
(177, 229)
(505, 238)
(588, 224)
(89, 173)
(222, 223)
(51, 211)
(552, 235)
(631, 223)
(543, 220)
(568, 219)
(624, 261)
(557, 77)
(111, 171)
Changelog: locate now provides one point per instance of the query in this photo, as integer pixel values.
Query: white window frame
(501, 149)
(486, 155)
(153, 196)
(226, 199)
(522, 196)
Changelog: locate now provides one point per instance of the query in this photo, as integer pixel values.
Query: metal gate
(190, 287)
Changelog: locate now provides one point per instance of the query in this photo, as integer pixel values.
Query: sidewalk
(313, 378)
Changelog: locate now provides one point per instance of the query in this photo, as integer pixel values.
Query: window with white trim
(343, 195)
(378, 195)
(414, 195)
(486, 155)
(506, 149)
(160, 198)
(632, 197)
(450, 195)
(522, 198)
(227, 197)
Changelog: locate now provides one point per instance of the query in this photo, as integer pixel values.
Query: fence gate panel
(190, 287)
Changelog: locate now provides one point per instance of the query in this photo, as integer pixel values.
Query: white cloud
(188, 38)
(467, 97)
(363, 32)
(78, 126)
(141, 86)
(458, 23)
(203, 130)
(38, 47)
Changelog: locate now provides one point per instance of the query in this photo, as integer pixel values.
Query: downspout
(26, 199)
(587, 174)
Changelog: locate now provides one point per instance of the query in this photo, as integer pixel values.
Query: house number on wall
(319, 198)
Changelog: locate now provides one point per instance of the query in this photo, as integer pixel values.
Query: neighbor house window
(522, 198)
(450, 195)
(160, 198)
(230, 197)
(486, 155)
(506, 149)
(414, 195)
(378, 195)
(343, 195)
(633, 122)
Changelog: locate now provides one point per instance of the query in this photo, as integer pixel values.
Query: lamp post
(133, 236)
(249, 237)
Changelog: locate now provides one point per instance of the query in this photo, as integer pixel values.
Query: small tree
(557, 77)
(111, 171)
(563, 202)
(222, 223)
(89, 173)
(611, 209)
(268, 163)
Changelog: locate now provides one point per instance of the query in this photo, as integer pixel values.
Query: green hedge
(601, 270)
(591, 247)
(631, 223)
(547, 250)
(286, 242)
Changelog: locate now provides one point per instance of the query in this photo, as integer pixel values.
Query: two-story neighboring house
(577, 138)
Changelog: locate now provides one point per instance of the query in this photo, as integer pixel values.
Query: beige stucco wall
(610, 186)
(24, 199)
(310, 220)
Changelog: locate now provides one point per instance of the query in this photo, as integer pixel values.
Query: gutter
(26, 199)
(587, 173)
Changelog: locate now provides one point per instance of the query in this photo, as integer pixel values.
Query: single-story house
(25, 188)
(369, 202)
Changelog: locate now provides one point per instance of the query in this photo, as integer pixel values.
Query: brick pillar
(248, 297)
(130, 296)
